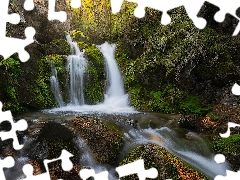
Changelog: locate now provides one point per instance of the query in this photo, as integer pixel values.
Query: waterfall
(76, 65)
(115, 95)
(115, 99)
(55, 86)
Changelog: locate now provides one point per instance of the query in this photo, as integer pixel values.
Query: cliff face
(19, 91)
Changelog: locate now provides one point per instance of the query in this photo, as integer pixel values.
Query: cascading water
(192, 150)
(76, 68)
(115, 101)
(55, 86)
(115, 95)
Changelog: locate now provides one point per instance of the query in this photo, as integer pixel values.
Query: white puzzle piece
(8, 45)
(66, 166)
(21, 125)
(137, 167)
(192, 9)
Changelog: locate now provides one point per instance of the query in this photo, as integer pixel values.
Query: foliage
(62, 46)
(229, 147)
(43, 95)
(92, 16)
(192, 105)
(166, 100)
(94, 81)
(11, 69)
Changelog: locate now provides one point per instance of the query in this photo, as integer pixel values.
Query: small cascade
(193, 150)
(115, 95)
(88, 161)
(76, 65)
(115, 99)
(55, 86)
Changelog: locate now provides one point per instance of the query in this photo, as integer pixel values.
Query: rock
(168, 165)
(46, 31)
(190, 122)
(49, 39)
(51, 140)
(104, 139)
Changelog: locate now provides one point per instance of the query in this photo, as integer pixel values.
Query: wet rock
(49, 39)
(168, 165)
(52, 139)
(104, 139)
(190, 122)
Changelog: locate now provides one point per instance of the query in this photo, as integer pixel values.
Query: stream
(138, 127)
(150, 127)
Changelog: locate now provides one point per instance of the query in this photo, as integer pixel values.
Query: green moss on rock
(230, 148)
(104, 139)
(168, 165)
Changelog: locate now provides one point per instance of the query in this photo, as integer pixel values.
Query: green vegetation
(168, 165)
(43, 95)
(163, 66)
(229, 147)
(9, 84)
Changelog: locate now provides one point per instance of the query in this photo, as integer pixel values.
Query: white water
(194, 151)
(115, 99)
(87, 160)
(76, 67)
(55, 86)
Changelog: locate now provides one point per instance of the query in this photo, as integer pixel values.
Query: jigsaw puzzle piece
(29, 5)
(6, 163)
(28, 171)
(236, 89)
(13, 45)
(52, 15)
(230, 125)
(137, 167)
(66, 162)
(9, 46)
(21, 125)
(142, 4)
(226, 27)
(75, 3)
(66, 166)
(87, 173)
(5, 17)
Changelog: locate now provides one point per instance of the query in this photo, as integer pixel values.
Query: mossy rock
(229, 147)
(57, 46)
(168, 165)
(104, 139)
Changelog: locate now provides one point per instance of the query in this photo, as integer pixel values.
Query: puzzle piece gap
(29, 5)
(75, 3)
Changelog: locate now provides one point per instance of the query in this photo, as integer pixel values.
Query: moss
(192, 105)
(214, 117)
(9, 84)
(43, 96)
(61, 46)
(104, 139)
(95, 78)
(93, 87)
(229, 147)
(168, 165)
(78, 36)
